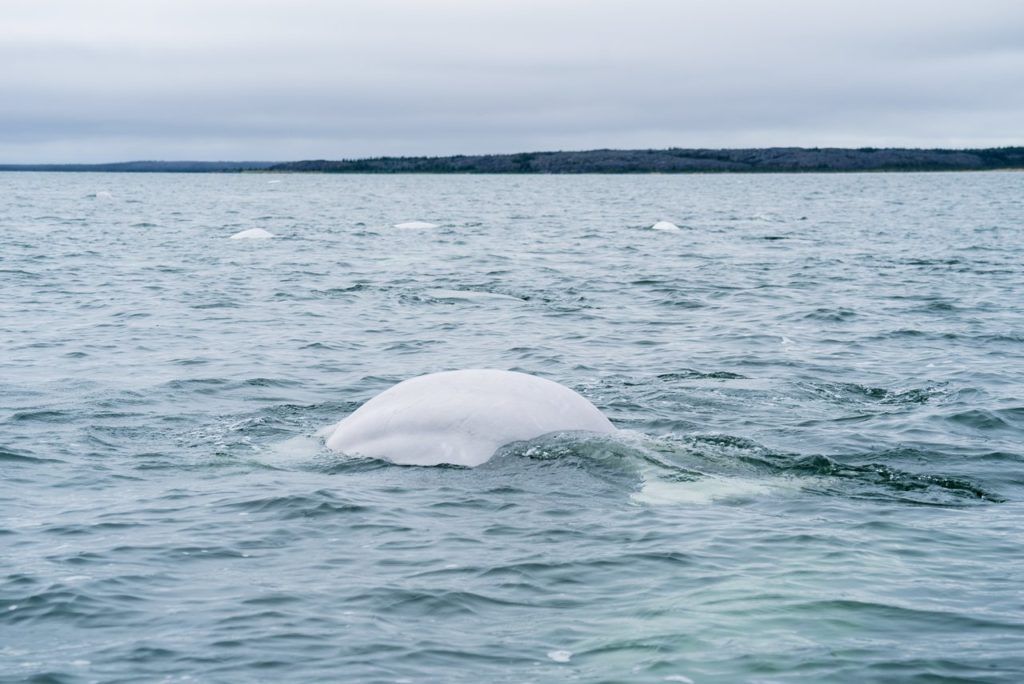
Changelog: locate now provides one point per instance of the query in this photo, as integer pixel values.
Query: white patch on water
(679, 678)
(293, 451)
(560, 656)
(253, 234)
(416, 225)
(665, 225)
(706, 490)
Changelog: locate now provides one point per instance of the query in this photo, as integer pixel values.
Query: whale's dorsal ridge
(462, 417)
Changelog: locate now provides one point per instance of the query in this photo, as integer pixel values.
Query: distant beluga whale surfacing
(253, 234)
(461, 417)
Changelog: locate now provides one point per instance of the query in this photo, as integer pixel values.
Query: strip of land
(148, 167)
(672, 160)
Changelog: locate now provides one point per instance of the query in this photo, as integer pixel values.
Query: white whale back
(462, 417)
(416, 225)
(253, 234)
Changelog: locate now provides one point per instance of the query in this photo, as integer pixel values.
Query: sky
(112, 80)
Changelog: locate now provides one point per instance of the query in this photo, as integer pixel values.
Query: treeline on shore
(672, 160)
(678, 160)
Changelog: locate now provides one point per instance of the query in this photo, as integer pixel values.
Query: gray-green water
(818, 380)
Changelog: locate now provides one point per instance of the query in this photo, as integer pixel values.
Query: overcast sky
(105, 80)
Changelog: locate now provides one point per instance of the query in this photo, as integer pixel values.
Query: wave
(723, 468)
(314, 504)
(846, 393)
(9, 456)
(691, 374)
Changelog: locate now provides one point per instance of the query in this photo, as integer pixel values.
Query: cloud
(267, 79)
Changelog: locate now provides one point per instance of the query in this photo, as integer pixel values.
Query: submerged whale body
(461, 417)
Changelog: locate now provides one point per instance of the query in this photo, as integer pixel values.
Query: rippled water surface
(819, 474)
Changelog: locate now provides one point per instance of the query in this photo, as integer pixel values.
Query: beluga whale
(416, 225)
(461, 418)
(253, 234)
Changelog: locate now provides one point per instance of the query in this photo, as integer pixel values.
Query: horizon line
(862, 148)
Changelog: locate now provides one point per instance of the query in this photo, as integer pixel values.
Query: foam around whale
(461, 417)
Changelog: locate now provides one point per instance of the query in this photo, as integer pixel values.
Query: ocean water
(819, 473)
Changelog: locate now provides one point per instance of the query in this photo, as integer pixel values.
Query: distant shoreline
(672, 160)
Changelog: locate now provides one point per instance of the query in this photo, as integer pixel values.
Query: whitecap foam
(293, 452)
(706, 490)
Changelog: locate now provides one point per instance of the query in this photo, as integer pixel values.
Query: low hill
(672, 160)
(679, 160)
